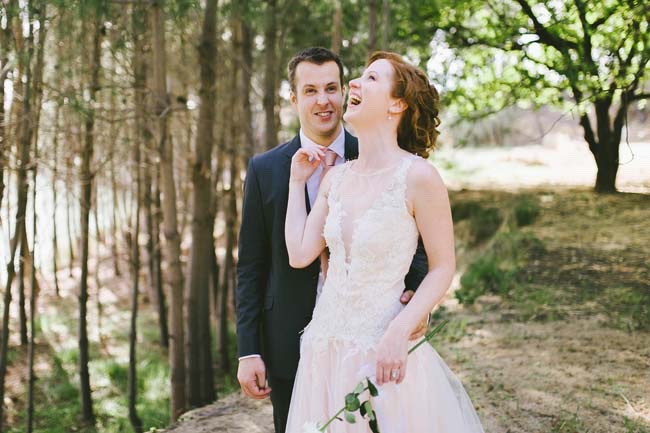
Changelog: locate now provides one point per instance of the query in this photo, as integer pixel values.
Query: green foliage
(526, 210)
(634, 426)
(493, 55)
(629, 308)
(484, 275)
(464, 209)
(568, 423)
(496, 270)
(484, 222)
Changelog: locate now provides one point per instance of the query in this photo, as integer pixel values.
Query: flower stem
(429, 335)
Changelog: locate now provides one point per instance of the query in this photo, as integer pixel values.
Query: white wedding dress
(359, 299)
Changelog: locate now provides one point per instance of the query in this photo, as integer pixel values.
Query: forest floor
(556, 340)
(566, 349)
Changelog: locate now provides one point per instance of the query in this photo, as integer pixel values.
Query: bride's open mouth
(354, 100)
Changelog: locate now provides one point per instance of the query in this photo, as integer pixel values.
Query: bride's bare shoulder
(423, 174)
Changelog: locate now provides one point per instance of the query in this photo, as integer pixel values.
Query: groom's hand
(251, 375)
(423, 325)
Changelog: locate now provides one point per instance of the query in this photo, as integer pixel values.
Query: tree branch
(544, 34)
(586, 37)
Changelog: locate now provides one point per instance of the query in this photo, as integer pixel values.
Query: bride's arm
(304, 233)
(430, 204)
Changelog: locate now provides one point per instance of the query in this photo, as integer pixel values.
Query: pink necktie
(327, 162)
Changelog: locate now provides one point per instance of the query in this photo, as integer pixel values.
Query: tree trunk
(173, 246)
(372, 26)
(5, 50)
(233, 140)
(385, 35)
(24, 261)
(24, 135)
(199, 348)
(604, 143)
(68, 215)
(141, 61)
(55, 176)
(270, 71)
(337, 27)
(33, 289)
(245, 77)
(134, 419)
(157, 269)
(86, 188)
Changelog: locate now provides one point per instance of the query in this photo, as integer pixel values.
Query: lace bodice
(364, 283)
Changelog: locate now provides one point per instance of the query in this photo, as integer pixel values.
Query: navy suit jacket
(275, 301)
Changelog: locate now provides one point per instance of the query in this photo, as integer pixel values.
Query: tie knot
(330, 157)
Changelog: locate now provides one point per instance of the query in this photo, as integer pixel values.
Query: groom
(274, 300)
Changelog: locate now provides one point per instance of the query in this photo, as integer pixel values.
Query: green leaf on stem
(372, 388)
(359, 389)
(373, 426)
(352, 402)
(349, 417)
(367, 408)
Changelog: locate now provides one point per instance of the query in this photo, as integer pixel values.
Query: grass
(549, 282)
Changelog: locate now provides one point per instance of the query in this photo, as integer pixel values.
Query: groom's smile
(318, 100)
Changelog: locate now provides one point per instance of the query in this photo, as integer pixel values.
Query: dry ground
(571, 364)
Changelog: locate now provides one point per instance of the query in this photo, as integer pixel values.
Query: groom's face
(318, 99)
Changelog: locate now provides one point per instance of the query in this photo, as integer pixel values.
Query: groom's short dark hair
(317, 55)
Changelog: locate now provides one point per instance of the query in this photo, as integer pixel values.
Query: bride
(369, 213)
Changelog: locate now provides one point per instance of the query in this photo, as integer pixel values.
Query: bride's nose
(354, 83)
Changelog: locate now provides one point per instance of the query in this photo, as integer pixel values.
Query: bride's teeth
(354, 100)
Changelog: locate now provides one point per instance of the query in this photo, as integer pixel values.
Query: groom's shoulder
(270, 158)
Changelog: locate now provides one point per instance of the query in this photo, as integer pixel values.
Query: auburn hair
(416, 132)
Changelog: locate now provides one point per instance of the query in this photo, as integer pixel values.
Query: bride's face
(369, 98)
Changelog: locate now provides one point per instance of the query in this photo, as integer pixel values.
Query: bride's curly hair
(416, 132)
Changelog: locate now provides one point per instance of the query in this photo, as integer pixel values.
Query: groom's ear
(293, 98)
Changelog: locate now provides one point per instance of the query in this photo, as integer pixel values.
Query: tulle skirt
(430, 399)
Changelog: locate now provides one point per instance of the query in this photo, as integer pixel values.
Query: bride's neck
(377, 148)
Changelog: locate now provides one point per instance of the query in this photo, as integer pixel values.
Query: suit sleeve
(252, 266)
(419, 268)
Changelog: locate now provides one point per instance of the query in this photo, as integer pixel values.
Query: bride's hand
(304, 162)
(392, 352)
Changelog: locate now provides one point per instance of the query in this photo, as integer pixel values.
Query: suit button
(315, 277)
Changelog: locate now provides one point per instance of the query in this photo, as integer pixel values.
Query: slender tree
(42, 11)
(199, 348)
(270, 74)
(26, 47)
(134, 419)
(372, 25)
(173, 245)
(86, 188)
(337, 27)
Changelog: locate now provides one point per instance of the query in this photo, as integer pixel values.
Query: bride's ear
(397, 106)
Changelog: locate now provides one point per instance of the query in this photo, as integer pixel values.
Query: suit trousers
(280, 398)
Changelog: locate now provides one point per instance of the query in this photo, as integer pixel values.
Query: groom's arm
(419, 268)
(252, 266)
(252, 270)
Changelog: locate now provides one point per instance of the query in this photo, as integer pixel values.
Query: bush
(495, 272)
(464, 209)
(526, 210)
(484, 275)
(484, 223)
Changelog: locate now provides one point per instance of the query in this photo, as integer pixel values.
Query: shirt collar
(338, 145)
